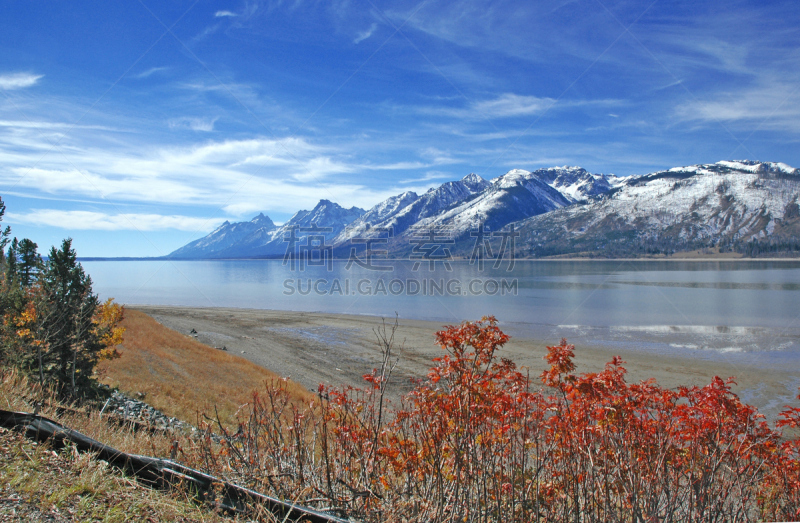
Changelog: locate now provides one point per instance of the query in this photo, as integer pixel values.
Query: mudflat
(338, 349)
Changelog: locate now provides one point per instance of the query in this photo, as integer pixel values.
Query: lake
(747, 311)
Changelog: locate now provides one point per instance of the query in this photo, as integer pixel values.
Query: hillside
(165, 366)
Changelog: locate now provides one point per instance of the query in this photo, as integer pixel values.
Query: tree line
(54, 327)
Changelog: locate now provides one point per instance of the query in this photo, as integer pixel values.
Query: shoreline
(701, 258)
(338, 349)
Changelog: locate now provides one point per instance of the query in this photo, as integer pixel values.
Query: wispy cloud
(194, 124)
(261, 173)
(365, 34)
(220, 14)
(205, 33)
(506, 105)
(150, 72)
(12, 81)
(90, 220)
(30, 124)
(510, 104)
(772, 105)
(429, 176)
(244, 208)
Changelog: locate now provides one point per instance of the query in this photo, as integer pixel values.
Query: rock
(133, 409)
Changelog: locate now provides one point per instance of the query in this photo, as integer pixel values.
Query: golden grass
(37, 484)
(181, 376)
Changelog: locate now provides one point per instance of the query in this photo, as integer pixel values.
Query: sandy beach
(337, 349)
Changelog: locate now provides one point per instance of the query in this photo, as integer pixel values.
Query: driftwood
(162, 473)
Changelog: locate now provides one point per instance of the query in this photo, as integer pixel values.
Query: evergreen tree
(23, 263)
(69, 304)
(4, 233)
(12, 273)
(29, 262)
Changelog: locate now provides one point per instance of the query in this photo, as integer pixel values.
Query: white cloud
(365, 34)
(509, 104)
(506, 105)
(90, 220)
(151, 71)
(220, 14)
(195, 124)
(243, 208)
(772, 105)
(129, 187)
(429, 176)
(29, 124)
(18, 80)
(258, 174)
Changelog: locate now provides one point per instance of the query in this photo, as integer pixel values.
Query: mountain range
(745, 206)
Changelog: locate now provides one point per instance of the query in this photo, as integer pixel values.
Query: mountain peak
(262, 220)
(474, 182)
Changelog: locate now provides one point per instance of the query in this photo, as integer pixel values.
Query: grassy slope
(181, 376)
(37, 484)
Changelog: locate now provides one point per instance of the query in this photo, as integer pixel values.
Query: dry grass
(18, 393)
(38, 484)
(181, 376)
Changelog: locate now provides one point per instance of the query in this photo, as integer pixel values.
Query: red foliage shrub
(475, 442)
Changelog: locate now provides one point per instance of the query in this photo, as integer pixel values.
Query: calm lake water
(745, 310)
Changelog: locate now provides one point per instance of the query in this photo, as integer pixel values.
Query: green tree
(11, 261)
(23, 263)
(4, 233)
(66, 320)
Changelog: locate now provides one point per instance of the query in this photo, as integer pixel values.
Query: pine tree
(4, 233)
(12, 271)
(23, 262)
(73, 346)
(29, 262)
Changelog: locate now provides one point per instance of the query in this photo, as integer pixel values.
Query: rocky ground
(128, 408)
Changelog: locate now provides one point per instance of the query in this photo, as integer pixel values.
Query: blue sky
(137, 126)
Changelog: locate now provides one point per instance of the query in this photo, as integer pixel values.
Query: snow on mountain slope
(575, 183)
(437, 200)
(225, 237)
(388, 207)
(557, 210)
(712, 203)
(513, 196)
(325, 219)
(403, 211)
(377, 214)
(326, 214)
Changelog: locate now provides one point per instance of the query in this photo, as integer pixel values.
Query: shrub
(478, 440)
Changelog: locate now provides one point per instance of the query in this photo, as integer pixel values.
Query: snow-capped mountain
(516, 195)
(557, 210)
(226, 238)
(576, 183)
(326, 215)
(326, 219)
(407, 209)
(710, 205)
